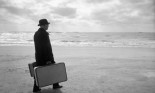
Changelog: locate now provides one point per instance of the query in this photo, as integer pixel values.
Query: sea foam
(100, 39)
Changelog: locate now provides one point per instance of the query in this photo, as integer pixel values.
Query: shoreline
(73, 51)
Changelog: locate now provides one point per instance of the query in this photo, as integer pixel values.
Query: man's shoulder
(39, 31)
(36, 33)
(40, 34)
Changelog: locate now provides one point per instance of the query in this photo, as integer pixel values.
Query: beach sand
(89, 69)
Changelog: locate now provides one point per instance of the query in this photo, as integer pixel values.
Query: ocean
(81, 39)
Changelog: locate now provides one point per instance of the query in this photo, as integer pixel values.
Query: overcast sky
(78, 15)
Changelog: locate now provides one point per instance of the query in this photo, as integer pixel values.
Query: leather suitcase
(49, 74)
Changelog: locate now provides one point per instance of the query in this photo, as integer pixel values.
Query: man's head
(43, 23)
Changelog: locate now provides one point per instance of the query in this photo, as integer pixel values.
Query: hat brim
(43, 24)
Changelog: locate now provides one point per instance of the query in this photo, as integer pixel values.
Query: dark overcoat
(43, 49)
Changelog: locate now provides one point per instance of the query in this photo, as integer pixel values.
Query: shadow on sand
(51, 90)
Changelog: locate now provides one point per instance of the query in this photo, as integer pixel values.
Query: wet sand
(89, 69)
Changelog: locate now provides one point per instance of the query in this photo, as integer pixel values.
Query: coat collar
(43, 30)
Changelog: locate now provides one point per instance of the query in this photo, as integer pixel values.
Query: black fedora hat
(43, 22)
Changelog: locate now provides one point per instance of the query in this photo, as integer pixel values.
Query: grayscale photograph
(77, 46)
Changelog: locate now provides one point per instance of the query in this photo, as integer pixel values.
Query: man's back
(43, 49)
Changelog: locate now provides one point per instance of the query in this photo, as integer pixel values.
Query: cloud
(128, 12)
(78, 13)
(65, 11)
(20, 3)
(97, 1)
(11, 18)
(18, 11)
(11, 12)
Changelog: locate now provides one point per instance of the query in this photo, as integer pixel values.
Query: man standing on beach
(43, 49)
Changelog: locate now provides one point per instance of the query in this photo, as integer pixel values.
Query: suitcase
(31, 68)
(49, 74)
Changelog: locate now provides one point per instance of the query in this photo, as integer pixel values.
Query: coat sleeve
(38, 49)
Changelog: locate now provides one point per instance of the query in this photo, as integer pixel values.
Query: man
(43, 49)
